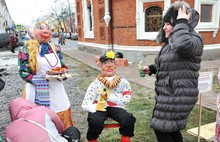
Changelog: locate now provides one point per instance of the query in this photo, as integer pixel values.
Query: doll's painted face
(108, 68)
(42, 32)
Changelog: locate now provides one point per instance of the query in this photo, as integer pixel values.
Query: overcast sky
(25, 11)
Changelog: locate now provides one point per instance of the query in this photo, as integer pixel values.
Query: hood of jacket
(19, 107)
(192, 22)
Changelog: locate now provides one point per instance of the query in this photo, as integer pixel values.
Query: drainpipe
(111, 24)
(107, 19)
(107, 16)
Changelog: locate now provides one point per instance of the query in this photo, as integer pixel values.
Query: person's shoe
(125, 139)
(12, 51)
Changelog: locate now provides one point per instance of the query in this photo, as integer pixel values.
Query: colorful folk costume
(35, 59)
(106, 97)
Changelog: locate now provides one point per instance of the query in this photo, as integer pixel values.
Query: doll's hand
(65, 78)
(62, 78)
(103, 94)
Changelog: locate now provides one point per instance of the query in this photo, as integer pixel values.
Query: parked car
(74, 36)
(4, 40)
(20, 42)
(55, 34)
(67, 35)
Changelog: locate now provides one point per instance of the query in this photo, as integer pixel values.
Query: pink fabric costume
(33, 123)
(217, 127)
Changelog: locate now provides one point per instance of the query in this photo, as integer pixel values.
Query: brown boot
(125, 139)
(93, 140)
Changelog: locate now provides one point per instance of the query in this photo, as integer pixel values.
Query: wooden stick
(200, 115)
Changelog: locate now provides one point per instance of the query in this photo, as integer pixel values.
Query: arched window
(153, 19)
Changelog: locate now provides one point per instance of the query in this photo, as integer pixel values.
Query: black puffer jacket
(176, 68)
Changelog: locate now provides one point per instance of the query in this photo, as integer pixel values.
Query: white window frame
(140, 19)
(212, 26)
(86, 22)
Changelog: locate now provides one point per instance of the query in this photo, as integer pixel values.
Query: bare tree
(59, 17)
(62, 14)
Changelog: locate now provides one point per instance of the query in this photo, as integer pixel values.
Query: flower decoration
(110, 54)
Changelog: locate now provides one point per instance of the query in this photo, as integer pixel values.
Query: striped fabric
(42, 97)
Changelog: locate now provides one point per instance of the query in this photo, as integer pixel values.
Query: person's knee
(96, 122)
(128, 120)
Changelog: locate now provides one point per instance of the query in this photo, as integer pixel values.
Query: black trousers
(13, 49)
(168, 137)
(96, 122)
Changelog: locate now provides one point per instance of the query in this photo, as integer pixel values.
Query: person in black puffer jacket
(177, 70)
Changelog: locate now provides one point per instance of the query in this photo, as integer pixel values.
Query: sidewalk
(131, 73)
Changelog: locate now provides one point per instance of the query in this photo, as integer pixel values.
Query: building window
(145, 11)
(153, 19)
(206, 13)
(209, 15)
(90, 17)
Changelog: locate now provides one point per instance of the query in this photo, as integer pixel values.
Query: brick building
(131, 26)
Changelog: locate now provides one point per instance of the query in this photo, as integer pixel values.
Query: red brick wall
(149, 4)
(99, 24)
(209, 39)
(123, 23)
(79, 19)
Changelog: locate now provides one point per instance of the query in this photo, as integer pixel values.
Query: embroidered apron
(58, 98)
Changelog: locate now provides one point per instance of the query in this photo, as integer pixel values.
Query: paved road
(7, 58)
(131, 73)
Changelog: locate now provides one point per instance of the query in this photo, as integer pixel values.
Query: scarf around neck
(44, 49)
